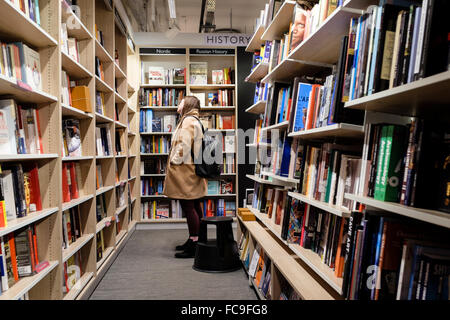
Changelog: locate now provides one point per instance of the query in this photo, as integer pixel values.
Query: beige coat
(181, 181)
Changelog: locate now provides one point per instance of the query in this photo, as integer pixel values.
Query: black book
(353, 224)
(294, 102)
(401, 50)
(286, 215)
(435, 45)
(19, 190)
(408, 43)
(23, 253)
(382, 64)
(376, 137)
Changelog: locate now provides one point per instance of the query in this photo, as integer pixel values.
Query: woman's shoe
(183, 246)
(189, 251)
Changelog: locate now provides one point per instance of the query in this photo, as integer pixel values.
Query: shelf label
(227, 39)
(207, 51)
(167, 51)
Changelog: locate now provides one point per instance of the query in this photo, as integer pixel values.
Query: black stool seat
(220, 254)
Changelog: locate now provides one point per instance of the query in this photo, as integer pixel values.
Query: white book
(7, 127)
(170, 123)
(155, 75)
(229, 142)
(254, 262)
(5, 285)
(8, 191)
(98, 138)
(28, 124)
(73, 49)
(63, 41)
(33, 67)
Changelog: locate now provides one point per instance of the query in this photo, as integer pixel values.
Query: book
(72, 135)
(198, 73)
(155, 75)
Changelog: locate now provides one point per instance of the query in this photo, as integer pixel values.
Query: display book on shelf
(209, 78)
(393, 163)
(32, 152)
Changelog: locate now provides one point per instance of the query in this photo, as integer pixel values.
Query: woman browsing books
(181, 182)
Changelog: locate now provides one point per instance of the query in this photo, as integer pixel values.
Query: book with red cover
(65, 183)
(74, 194)
(228, 122)
(12, 249)
(35, 193)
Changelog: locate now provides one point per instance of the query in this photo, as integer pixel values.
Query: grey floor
(146, 269)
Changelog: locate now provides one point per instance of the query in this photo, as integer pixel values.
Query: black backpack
(209, 146)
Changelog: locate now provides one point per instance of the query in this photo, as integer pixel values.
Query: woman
(181, 181)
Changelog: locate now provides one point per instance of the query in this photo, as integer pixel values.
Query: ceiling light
(172, 11)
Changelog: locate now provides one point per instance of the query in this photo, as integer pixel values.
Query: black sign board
(162, 51)
(219, 52)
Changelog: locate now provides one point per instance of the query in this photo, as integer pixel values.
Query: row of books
(155, 144)
(100, 245)
(71, 226)
(395, 44)
(217, 121)
(199, 74)
(100, 106)
(30, 8)
(99, 35)
(101, 208)
(157, 75)
(229, 164)
(119, 151)
(73, 271)
(20, 62)
(66, 88)
(153, 166)
(221, 98)
(71, 180)
(19, 256)
(161, 209)
(259, 269)
(161, 97)
(151, 186)
(261, 91)
(149, 122)
(218, 208)
(99, 69)
(270, 200)
(72, 146)
(20, 192)
(121, 195)
(407, 164)
(224, 186)
(20, 129)
(69, 45)
(103, 140)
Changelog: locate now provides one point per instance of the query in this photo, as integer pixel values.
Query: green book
(380, 163)
(330, 173)
(392, 167)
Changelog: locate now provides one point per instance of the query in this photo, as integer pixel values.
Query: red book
(36, 256)
(12, 249)
(17, 62)
(73, 178)
(227, 122)
(35, 193)
(65, 183)
(302, 236)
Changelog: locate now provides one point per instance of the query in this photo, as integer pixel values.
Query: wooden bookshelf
(340, 212)
(280, 22)
(287, 69)
(338, 130)
(255, 42)
(257, 108)
(45, 39)
(258, 72)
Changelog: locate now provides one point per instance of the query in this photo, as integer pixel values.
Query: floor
(146, 269)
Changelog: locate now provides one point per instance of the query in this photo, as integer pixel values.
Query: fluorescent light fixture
(172, 11)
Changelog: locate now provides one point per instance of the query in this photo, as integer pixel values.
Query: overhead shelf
(431, 216)
(27, 220)
(341, 212)
(427, 96)
(338, 130)
(10, 86)
(287, 69)
(280, 23)
(259, 72)
(257, 108)
(256, 42)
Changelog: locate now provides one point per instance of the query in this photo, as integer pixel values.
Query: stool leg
(224, 235)
(203, 234)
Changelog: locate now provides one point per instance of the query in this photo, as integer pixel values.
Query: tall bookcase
(302, 268)
(46, 39)
(169, 58)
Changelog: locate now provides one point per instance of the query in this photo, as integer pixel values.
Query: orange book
(30, 243)
(74, 194)
(12, 249)
(260, 268)
(338, 261)
(311, 107)
(65, 183)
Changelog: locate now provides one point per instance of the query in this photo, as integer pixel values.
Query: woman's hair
(190, 102)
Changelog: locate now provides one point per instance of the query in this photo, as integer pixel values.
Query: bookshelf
(47, 39)
(315, 56)
(182, 58)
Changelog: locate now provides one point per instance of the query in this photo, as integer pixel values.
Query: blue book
(355, 58)
(304, 89)
(148, 120)
(38, 16)
(141, 121)
(286, 157)
(377, 253)
(283, 99)
(23, 69)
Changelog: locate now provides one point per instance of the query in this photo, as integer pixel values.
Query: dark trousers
(193, 212)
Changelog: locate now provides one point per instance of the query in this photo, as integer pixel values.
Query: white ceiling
(244, 14)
